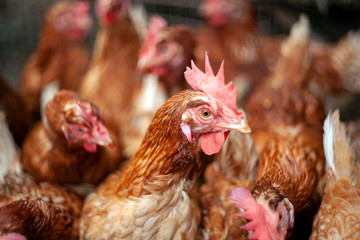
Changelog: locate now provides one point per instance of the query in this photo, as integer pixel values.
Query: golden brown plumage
(17, 117)
(60, 55)
(34, 210)
(234, 166)
(339, 214)
(52, 151)
(149, 199)
(112, 78)
(286, 122)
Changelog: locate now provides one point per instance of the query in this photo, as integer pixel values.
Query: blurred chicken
(339, 213)
(335, 70)
(29, 210)
(112, 80)
(165, 52)
(18, 118)
(235, 165)
(286, 120)
(67, 146)
(230, 32)
(149, 199)
(61, 55)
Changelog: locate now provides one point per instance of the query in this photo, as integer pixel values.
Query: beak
(241, 127)
(110, 144)
(143, 65)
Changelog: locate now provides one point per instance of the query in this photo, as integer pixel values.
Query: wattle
(211, 143)
(90, 147)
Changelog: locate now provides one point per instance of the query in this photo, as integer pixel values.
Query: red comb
(253, 212)
(213, 86)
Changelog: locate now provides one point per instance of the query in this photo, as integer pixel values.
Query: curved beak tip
(111, 145)
(244, 127)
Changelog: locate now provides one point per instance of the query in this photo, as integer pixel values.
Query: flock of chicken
(134, 141)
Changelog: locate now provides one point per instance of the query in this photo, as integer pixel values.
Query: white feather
(8, 149)
(47, 94)
(328, 141)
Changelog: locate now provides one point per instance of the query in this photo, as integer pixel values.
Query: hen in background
(230, 32)
(18, 118)
(335, 70)
(112, 79)
(286, 121)
(30, 210)
(61, 55)
(165, 52)
(234, 166)
(149, 199)
(339, 214)
(68, 145)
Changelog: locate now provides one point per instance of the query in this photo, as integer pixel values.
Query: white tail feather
(328, 141)
(8, 149)
(47, 94)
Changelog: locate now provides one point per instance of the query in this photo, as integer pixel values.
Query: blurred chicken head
(219, 12)
(266, 220)
(83, 123)
(72, 19)
(214, 113)
(159, 53)
(112, 11)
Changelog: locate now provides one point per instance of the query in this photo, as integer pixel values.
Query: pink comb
(253, 212)
(213, 86)
(81, 7)
(156, 25)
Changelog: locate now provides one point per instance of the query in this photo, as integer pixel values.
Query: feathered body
(339, 214)
(51, 153)
(61, 55)
(34, 210)
(112, 77)
(234, 166)
(286, 121)
(17, 117)
(149, 199)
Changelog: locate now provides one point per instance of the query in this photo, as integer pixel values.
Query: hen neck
(165, 156)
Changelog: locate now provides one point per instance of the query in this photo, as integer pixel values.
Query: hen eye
(280, 216)
(80, 130)
(205, 114)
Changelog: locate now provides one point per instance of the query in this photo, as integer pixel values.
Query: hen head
(213, 113)
(71, 19)
(265, 222)
(13, 236)
(78, 120)
(159, 52)
(112, 11)
(220, 12)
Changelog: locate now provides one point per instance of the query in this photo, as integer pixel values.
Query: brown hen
(29, 209)
(149, 199)
(61, 55)
(112, 80)
(286, 120)
(67, 146)
(339, 213)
